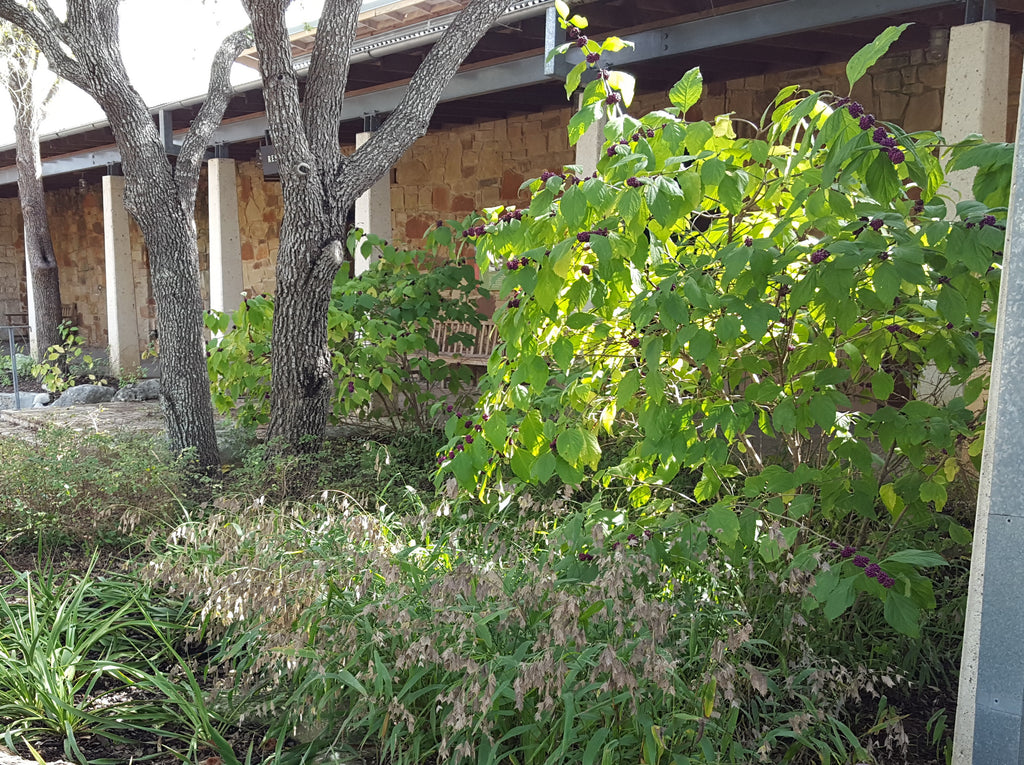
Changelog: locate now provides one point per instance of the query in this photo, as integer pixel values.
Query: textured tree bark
(320, 186)
(39, 254)
(85, 50)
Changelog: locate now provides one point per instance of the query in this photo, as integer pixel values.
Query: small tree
(84, 49)
(19, 79)
(750, 317)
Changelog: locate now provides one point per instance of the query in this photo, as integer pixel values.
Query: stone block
(510, 183)
(891, 106)
(440, 198)
(891, 81)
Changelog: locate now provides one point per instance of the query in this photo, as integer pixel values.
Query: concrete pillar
(977, 81)
(990, 704)
(590, 147)
(225, 238)
(373, 211)
(122, 324)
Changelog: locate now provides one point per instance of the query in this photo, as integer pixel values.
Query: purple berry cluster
(871, 570)
(473, 231)
(510, 215)
(584, 236)
(819, 256)
(879, 134)
(638, 135)
(466, 440)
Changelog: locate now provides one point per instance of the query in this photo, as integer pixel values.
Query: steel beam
(753, 24)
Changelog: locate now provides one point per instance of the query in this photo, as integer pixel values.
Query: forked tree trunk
(320, 186)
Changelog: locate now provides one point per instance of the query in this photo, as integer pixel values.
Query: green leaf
(959, 534)
(574, 207)
(902, 615)
(920, 558)
(724, 524)
(624, 84)
(496, 430)
(570, 446)
(562, 352)
(866, 57)
(840, 599)
(572, 80)
(882, 385)
(591, 454)
(784, 416)
(823, 412)
(628, 387)
(562, 8)
(687, 91)
(581, 120)
(951, 304)
(615, 44)
(934, 492)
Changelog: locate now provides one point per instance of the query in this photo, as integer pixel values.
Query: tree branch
(47, 33)
(412, 117)
(280, 83)
(328, 76)
(190, 158)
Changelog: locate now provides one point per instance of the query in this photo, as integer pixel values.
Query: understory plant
(67, 363)
(384, 356)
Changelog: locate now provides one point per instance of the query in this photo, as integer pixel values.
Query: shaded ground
(112, 417)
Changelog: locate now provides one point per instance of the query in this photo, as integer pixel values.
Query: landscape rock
(85, 394)
(146, 390)
(27, 400)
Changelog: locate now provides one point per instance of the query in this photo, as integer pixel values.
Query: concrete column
(122, 324)
(990, 705)
(590, 147)
(373, 211)
(225, 238)
(977, 81)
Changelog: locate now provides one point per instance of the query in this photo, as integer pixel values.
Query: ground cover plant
(74, 488)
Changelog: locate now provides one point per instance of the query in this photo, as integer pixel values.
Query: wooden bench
(455, 352)
(19, 320)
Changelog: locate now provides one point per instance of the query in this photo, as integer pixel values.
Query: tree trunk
(39, 255)
(302, 381)
(170, 236)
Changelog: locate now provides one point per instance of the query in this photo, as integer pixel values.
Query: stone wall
(259, 220)
(447, 175)
(76, 224)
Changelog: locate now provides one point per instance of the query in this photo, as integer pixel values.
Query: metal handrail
(14, 358)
